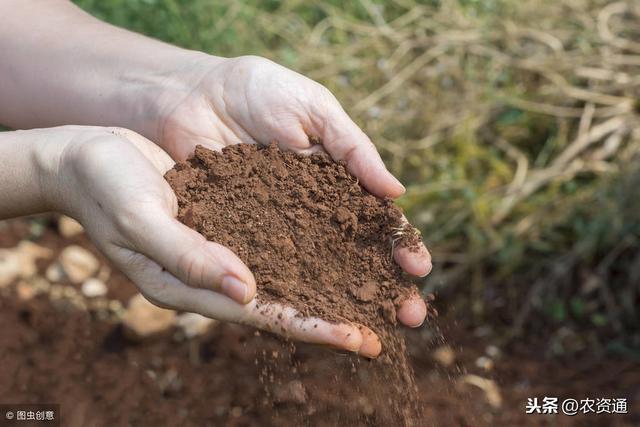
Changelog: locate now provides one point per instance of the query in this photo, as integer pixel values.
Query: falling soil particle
(315, 240)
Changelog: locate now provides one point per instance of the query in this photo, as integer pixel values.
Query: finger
(181, 250)
(165, 290)
(412, 312)
(344, 140)
(181, 140)
(415, 260)
(156, 155)
(289, 137)
(287, 322)
(371, 345)
(191, 258)
(186, 147)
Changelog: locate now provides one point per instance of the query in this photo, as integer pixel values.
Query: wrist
(29, 185)
(144, 98)
(48, 148)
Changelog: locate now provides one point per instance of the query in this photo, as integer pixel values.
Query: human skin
(97, 74)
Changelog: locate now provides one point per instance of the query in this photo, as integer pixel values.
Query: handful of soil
(313, 237)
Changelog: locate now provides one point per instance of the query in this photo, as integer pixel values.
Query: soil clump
(315, 240)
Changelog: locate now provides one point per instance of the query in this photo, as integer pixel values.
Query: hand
(178, 98)
(111, 180)
(251, 99)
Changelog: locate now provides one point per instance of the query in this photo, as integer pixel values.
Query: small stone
(117, 309)
(33, 250)
(194, 324)
(69, 227)
(25, 291)
(92, 288)
(54, 273)
(115, 306)
(493, 351)
(28, 266)
(25, 254)
(144, 319)
(9, 267)
(483, 362)
(488, 386)
(444, 355)
(78, 263)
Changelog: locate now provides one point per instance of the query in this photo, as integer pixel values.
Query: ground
(52, 351)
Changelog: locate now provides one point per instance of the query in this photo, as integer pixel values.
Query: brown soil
(50, 352)
(315, 240)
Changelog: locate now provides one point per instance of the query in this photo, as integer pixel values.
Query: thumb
(344, 140)
(186, 254)
(192, 259)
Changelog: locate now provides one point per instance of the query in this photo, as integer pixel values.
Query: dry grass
(513, 124)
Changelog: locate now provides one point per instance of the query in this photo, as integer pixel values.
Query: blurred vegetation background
(513, 124)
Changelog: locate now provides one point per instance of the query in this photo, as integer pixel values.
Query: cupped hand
(253, 100)
(111, 180)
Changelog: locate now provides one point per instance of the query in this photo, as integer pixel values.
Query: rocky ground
(76, 332)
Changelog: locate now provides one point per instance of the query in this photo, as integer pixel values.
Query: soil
(51, 352)
(315, 240)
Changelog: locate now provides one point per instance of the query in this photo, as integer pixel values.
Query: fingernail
(419, 324)
(400, 184)
(234, 288)
(428, 266)
(348, 340)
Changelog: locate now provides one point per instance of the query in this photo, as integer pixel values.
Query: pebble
(69, 227)
(25, 291)
(9, 267)
(493, 351)
(92, 288)
(194, 324)
(484, 362)
(444, 355)
(115, 306)
(54, 273)
(33, 250)
(28, 266)
(488, 386)
(20, 262)
(143, 319)
(78, 263)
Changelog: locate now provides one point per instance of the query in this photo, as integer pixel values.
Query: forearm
(28, 173)
(65, 67)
